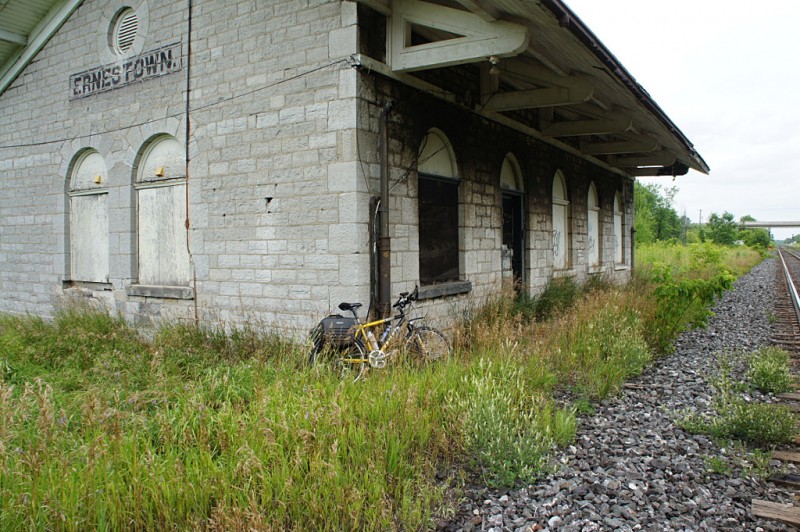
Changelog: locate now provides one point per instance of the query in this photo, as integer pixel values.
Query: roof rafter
(481, 8)
(642, 144)
(657, 158)
(535, 98)
(13, 38)
(606, 124)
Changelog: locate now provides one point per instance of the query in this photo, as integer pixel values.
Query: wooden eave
(594, 107)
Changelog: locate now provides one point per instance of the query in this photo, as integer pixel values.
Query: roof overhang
(25, 27)
(538, 55)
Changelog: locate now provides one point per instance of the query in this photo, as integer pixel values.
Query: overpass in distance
(769, 225)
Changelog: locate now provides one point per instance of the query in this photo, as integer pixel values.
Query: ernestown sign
(158, 62)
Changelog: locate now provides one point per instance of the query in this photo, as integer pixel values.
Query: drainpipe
(384, 243)
(187, 155)
(633, 247)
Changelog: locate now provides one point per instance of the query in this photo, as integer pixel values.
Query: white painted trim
(480, 39)
(36, 41)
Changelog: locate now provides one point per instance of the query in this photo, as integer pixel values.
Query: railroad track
(785, 333)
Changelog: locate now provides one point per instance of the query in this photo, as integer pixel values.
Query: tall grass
(229, 429)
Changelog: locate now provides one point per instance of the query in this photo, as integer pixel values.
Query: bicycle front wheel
(427, 344)
(353, 362)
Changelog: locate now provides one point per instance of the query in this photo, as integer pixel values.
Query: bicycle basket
(338, 330)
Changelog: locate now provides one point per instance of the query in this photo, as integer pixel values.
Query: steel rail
(790, 281)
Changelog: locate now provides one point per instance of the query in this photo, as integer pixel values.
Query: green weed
(769, 371)
(735, 417)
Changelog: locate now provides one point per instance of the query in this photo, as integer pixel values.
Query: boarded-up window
(438, 211)
(163, 258)
(618, 257)
(593, 227)
(561, 236)
(88, 219)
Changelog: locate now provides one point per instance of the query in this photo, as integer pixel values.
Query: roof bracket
(470, 38)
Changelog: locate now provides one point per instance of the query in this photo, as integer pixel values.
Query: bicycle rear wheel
(427, 344)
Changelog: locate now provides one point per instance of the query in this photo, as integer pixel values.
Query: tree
(723, 229)
(755, 237)
(655, 218)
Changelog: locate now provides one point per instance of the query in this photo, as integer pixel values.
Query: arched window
(88, 218)
(438, 210)
(593, 226)
(561, 234)
(511, 183)
(618, 255)
(163, 258)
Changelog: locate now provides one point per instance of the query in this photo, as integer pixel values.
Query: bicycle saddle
(349, 306)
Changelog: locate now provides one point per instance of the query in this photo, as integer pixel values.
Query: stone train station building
(267, 159)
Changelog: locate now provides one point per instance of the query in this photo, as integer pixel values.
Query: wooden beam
(621, 146)
(536, 98)
(786, 456)
(527, 71)
(599, 126)
(658, 158)
(658, 171)
(786, 513)
(13, 38)
(484, 10)
(437, 92)
(478, 39)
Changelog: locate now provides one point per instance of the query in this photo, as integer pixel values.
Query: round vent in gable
(124, 30)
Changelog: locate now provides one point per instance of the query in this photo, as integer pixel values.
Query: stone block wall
(277, 216)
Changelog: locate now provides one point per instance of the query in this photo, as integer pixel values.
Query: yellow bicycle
(362, 345)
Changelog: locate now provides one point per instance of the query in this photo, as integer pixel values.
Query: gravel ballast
(631, 467)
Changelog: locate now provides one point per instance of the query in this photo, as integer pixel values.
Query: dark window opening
(513, 233)
(438, 230)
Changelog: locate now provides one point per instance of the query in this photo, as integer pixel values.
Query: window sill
(444, 289)
(163, 292)
(596, 269)
(87, 285)
(621, 267)
(557, 274)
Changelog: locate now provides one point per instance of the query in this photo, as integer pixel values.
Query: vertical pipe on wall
(384, 242)
(187, 155)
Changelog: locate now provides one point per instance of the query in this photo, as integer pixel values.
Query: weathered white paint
(593, 227)
(161, 194)
(618, 257)
(88, 219)
(163, 256)
(88, 233)
(560, 223)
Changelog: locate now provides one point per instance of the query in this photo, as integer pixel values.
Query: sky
(727, 72)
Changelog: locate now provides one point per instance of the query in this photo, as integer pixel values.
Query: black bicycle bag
(337, 330)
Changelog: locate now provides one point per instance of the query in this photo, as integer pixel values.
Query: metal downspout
(187, 157)
(384, 242)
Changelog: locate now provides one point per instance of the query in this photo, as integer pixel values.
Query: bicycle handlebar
(406, 298)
